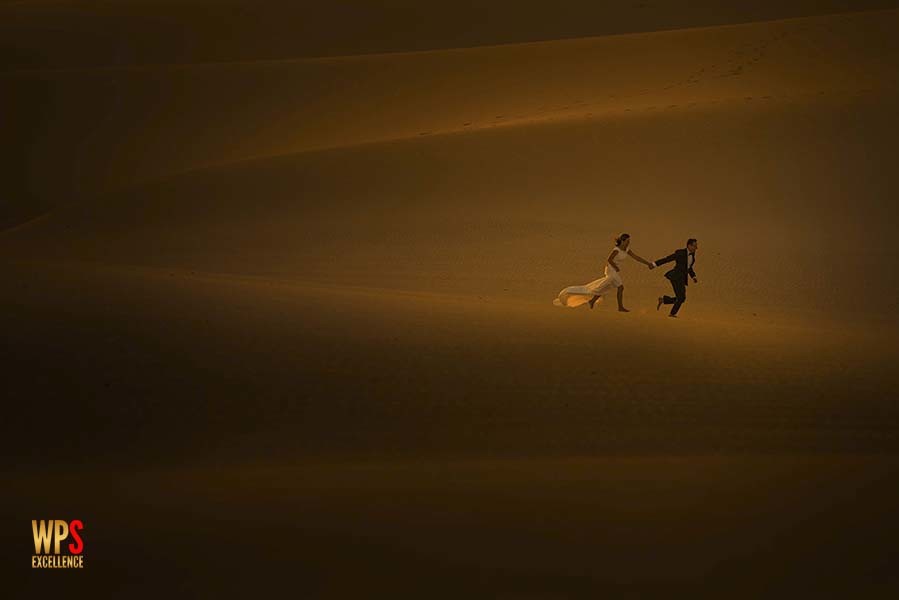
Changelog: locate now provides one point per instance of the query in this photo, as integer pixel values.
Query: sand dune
(781, 158)
(782, 195)
(415, 438)
(264, 368)
(105, 129)
(262, 290)
(86, 33)
(573, 528)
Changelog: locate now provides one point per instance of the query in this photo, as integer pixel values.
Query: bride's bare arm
(611, 256)
(640, 259)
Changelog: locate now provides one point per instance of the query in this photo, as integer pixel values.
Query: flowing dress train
(576, 295)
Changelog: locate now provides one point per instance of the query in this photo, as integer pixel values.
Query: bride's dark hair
(621, 238)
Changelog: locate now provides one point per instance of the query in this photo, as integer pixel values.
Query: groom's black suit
(678, 276)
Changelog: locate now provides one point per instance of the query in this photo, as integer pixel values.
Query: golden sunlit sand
(293, 317)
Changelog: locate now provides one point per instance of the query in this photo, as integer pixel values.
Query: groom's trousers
(680, 293)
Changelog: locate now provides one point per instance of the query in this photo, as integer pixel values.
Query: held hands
(651, 266)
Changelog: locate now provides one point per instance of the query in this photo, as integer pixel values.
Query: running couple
(683, 260)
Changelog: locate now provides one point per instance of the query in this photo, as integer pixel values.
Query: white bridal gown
(576, 295)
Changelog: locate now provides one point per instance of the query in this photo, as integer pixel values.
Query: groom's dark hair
(691, 241)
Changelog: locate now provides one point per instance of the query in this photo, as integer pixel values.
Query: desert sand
(283, 321)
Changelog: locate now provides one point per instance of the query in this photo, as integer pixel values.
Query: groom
(684, 259)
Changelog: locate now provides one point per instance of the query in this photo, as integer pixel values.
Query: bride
(580, 294)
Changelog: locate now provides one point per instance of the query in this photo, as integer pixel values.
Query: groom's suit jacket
(680, 270)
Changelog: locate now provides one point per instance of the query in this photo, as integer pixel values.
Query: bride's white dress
(576, 295)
